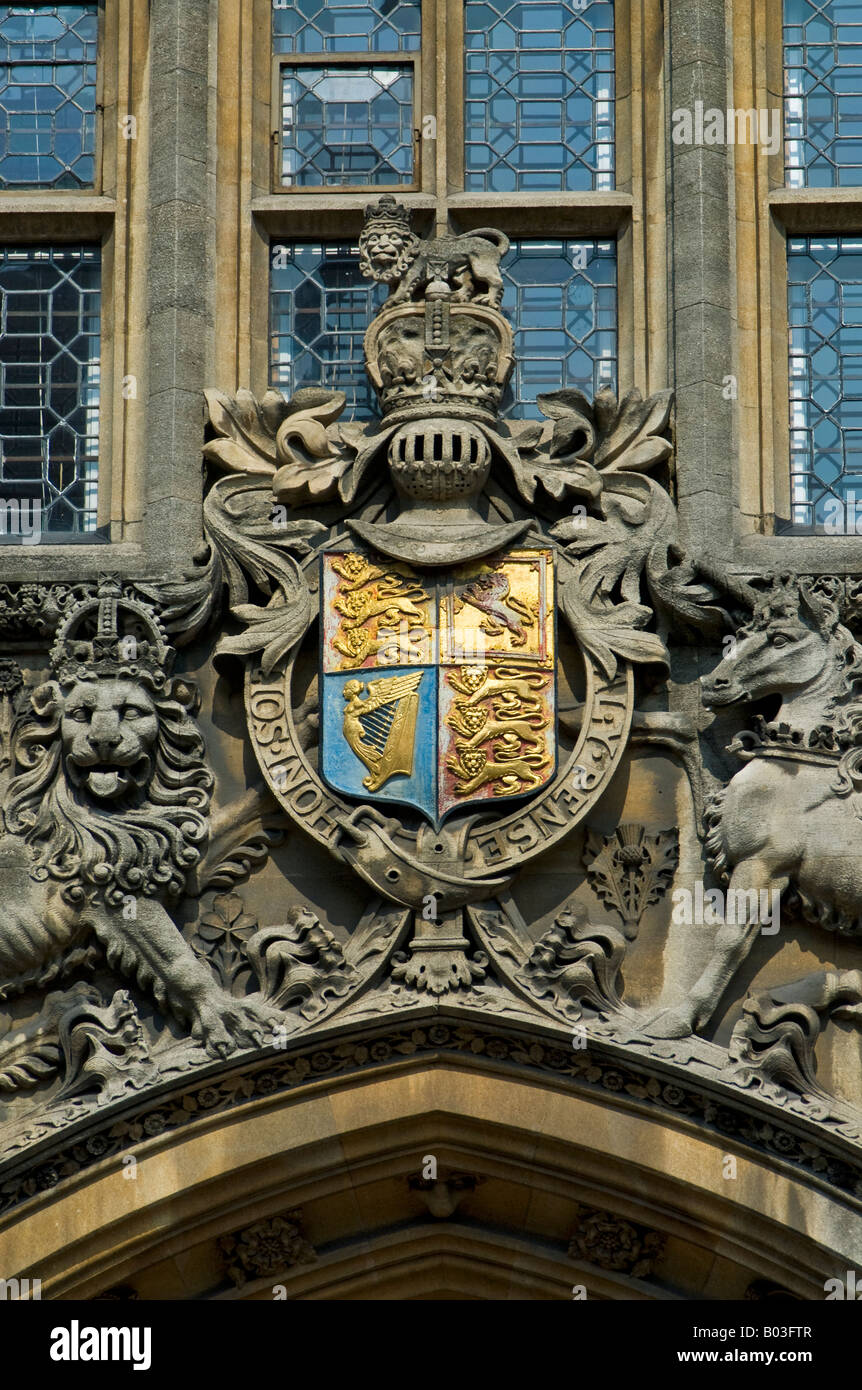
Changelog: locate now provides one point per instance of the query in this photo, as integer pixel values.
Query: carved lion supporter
(108, 818)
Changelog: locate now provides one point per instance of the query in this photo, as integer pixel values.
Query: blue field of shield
(346, 772)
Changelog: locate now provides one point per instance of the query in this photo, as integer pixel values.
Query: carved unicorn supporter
(791, 819)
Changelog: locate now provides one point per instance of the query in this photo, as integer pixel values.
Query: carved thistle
(631, 870)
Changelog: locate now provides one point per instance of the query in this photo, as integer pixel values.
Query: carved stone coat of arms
(447, 631)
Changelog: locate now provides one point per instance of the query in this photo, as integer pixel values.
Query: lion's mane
(146, 844)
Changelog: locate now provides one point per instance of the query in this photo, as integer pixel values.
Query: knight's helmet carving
(439, 361)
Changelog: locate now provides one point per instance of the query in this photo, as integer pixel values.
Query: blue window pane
(49, 382)
(345, 26)
(540, 81)
(348, 125)
(560, 297)
(825, 355)
(320, 307)
(822, 93)
(47, 95)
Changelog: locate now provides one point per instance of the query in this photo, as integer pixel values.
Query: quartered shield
(438, 691)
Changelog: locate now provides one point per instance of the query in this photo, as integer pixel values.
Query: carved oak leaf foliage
(682, 591)
(588, 441)
(245, 430)
(635, 513)
(187, 606)
(630, 434)
(320, 464)
(560, 465)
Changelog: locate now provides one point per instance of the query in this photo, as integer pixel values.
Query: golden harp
(381, 728)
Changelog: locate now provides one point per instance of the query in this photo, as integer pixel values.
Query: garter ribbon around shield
(438, 691)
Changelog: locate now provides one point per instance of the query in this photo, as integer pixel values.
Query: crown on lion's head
(114, 793)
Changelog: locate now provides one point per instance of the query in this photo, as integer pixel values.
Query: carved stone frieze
(696, 1093)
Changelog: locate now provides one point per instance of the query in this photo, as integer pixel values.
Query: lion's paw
(224, 1024)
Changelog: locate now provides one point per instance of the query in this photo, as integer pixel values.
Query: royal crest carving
(436, 697)
(468, 266)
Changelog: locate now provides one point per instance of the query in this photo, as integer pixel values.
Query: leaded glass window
(561, 298)
(320, 307)
(48, 95)
(823, 93)
(349, 125)
(352, 26)
(825, 319)
(538, 95)
(49, 382)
